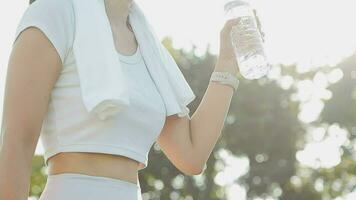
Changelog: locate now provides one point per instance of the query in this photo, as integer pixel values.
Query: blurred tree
(342, 107)
(341, 110)
(38, 178)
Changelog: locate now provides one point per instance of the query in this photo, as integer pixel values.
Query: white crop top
(67, 126)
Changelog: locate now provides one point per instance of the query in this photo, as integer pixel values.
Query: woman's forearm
(208, 120)
(15, 171)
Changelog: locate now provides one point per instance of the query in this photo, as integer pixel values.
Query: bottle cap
(234, 3)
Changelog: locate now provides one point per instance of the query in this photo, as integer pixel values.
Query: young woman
(85, 158)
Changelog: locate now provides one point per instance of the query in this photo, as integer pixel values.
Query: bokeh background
(290, 135)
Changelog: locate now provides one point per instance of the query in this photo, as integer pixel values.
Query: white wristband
(225, 78)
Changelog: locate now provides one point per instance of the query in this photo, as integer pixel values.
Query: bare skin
(187, 142)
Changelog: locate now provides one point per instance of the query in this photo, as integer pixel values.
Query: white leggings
(75, 186)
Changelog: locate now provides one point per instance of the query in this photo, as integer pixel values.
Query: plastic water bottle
(246, 40)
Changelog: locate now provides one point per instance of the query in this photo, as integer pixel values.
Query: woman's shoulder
(55, 18)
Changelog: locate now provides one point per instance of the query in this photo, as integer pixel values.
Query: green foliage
(342, 107)
(38, 177)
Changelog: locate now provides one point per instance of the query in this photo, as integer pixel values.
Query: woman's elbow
(193, 170)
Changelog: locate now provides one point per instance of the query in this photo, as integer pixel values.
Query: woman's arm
(188, 142)
(33, 69)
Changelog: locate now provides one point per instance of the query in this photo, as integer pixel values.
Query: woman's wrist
(226, 78)
(226, 72)
(226, 66)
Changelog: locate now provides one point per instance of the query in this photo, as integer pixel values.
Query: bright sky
(311, 33)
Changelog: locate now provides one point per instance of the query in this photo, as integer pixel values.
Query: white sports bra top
(68, 127)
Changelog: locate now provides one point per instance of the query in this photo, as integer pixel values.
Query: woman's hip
(76, 186)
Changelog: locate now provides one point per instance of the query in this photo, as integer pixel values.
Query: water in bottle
(246, 40)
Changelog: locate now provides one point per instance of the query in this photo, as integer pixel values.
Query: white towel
(103, 84)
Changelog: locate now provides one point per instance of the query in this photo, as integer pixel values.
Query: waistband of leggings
(113, 181)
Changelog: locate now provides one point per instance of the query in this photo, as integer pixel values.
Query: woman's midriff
(95, 164)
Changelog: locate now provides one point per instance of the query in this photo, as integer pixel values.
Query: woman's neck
(118, 11)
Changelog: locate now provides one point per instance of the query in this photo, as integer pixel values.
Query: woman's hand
(227, 59)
